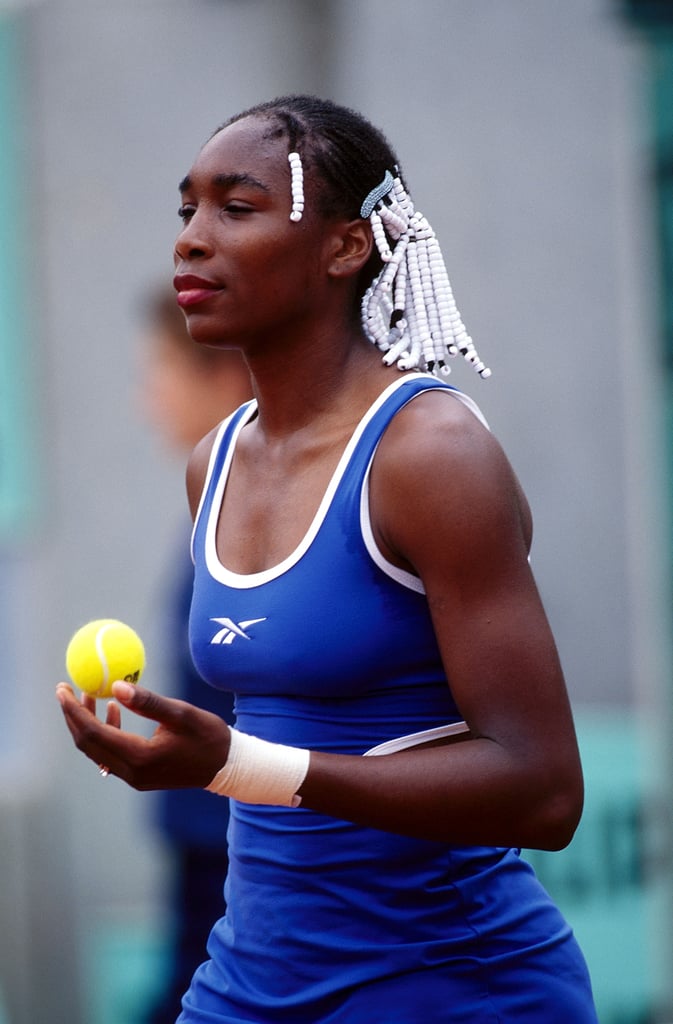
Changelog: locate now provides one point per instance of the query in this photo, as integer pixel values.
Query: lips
(192, 289)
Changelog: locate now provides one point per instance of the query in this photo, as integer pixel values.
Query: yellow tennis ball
(102, 652)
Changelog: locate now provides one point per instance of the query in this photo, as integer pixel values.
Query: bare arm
(445, 502)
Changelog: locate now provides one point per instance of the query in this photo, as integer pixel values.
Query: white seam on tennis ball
(101, 654)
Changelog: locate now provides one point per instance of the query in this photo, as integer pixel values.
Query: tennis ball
(102, 652)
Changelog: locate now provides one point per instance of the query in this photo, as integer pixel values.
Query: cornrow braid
(404, 294)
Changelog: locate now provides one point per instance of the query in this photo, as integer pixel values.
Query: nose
(192, 242)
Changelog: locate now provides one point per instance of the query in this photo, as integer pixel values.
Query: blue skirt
(329, 923)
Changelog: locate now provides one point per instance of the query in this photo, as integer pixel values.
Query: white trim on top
(415, 739)
(211, 466)
(247, 581)
(401, 576)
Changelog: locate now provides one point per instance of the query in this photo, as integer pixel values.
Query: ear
(350, 247)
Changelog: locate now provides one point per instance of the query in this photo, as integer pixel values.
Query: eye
(237, 208)
(185, 212)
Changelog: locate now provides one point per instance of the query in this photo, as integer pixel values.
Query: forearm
(472, 793)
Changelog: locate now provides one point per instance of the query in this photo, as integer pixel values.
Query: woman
(361, 552)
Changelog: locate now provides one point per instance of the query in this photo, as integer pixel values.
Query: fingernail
(123, 691)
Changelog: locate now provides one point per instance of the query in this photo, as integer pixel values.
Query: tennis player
(362, 585)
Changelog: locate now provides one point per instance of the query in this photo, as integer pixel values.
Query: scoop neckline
(245, 581)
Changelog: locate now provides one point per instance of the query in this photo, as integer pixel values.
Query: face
(246, 273)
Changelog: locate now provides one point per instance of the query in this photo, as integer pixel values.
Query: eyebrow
(228, 181)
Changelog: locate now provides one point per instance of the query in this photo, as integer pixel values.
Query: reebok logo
(230, 630)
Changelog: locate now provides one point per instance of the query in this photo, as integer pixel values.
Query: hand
(188, 747)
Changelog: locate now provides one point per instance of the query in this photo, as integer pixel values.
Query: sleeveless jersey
(329, 922)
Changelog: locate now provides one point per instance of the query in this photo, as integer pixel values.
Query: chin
(205, 332)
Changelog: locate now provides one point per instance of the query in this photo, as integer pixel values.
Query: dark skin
(445, 505)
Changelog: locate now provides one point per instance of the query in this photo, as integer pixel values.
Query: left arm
(445, 503)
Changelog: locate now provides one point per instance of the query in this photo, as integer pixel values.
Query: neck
(334, 378)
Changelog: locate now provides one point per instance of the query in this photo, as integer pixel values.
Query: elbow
(558, 814)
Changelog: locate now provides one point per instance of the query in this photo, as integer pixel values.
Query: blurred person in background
(186, 390)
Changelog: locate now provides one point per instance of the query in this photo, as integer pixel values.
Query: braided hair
(407, 305)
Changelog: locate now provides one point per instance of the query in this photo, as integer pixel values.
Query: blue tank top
(333, 649)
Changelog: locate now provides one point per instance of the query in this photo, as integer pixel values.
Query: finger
(64, 692)
(74, 711)
(88, 702)
(68, 700)
(113, 714)
(102, 742)
(150, 705)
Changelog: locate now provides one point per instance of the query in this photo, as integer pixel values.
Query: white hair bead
(296, 186)
(393, 219)
(409, 310)
(380, 237)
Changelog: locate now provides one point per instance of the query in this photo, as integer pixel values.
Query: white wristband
(259, 772)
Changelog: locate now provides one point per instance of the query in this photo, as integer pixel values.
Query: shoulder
(437, 414)
(207, 449)
(436, 434)
(439, 469)
(197, 468)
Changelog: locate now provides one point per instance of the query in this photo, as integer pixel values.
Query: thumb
(148, 704)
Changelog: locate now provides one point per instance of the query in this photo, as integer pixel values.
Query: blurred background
(538, 139)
